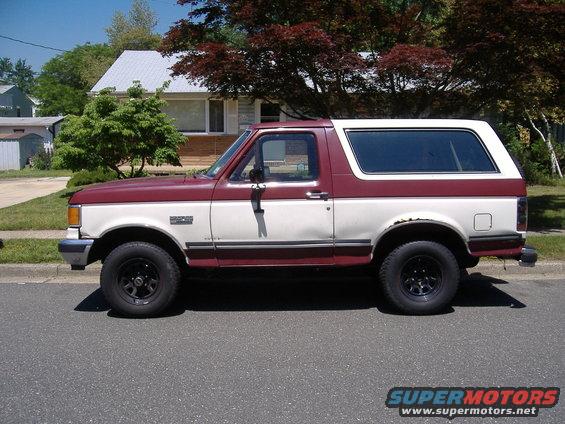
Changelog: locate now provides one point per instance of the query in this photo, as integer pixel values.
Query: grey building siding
(14, 103)
(245, 113)
(15, 153)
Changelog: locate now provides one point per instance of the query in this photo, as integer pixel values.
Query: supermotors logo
(451, 402)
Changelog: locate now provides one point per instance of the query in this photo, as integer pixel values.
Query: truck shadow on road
(280, 290)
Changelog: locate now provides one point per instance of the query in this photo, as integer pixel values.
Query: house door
(289, 221)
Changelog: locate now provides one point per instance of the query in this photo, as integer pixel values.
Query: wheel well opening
(104, 245)
(405, 233)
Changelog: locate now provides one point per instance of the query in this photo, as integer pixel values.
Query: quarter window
(410, 151)
(283, 157)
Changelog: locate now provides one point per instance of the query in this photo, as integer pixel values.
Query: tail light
(522, 216)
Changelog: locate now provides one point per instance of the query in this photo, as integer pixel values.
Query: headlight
(73, 215)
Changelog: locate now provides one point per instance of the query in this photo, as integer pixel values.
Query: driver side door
(289, 221)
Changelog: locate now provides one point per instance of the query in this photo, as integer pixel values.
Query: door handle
(257, 192)
(317, 195)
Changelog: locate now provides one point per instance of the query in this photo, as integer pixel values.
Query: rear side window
(419, 151)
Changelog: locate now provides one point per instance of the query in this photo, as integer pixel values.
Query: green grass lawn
(44, 213)
(548, 247)
(30, 251)
(34, 173)
(546, 206)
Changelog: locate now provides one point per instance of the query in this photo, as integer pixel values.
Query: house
(35, 104)
(46, 127)
(14, 102)
(16, 149)
(210, 124)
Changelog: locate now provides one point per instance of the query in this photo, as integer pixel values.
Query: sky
(63, 24)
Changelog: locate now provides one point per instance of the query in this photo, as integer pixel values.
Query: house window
(189, 115)
(19, 131)
(197, 116)
(270, 112)
(216, 116)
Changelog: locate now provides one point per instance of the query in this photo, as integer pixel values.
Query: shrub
(533, 156)
(86, 177)
(41, 160)
(114, 133)
(192, 172)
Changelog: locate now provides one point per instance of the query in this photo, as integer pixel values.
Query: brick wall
(203, 150)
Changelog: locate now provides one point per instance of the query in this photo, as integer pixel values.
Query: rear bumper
(528, 257)
(75, 252)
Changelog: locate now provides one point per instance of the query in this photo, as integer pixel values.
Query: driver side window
(283, 158)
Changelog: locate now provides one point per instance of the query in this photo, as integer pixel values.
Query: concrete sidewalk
(19, 190)
(62, 273)
(33, 234)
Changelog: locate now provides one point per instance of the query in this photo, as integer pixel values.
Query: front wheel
(139, 279)
(420, 277)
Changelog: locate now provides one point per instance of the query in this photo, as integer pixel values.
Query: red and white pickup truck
(417, 199)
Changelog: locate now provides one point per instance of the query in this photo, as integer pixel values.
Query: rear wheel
(420, 277)
(139, 279)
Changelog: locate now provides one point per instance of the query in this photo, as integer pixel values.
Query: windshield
(222, 160)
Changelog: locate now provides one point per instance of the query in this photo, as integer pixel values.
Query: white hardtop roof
(150, 69)
(44, 121)
(408, 123)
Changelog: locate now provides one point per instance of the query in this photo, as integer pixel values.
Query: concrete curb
(47, 271)
(63, 273)
(512, 268)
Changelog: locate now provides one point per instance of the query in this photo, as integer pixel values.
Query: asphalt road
(307, 349)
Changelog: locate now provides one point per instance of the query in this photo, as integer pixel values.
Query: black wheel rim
(421, 278)
(138, 281)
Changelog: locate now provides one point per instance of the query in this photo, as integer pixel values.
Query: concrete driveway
(18, 190)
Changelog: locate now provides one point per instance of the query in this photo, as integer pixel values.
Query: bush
(41, 160)
(192, 172)
(534, 157)
(113, 133)
(85, 177)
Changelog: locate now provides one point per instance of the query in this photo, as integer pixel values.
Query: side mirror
(256, 176)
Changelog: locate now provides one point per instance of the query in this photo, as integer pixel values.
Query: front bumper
(75, 252)
(528, 257)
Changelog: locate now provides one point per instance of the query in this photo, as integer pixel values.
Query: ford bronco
(418, 200)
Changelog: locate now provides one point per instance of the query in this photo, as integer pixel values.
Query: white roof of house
(4, 88)
(148, 67)
(44, 121)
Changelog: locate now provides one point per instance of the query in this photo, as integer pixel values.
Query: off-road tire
(140, 279)
(405, 277)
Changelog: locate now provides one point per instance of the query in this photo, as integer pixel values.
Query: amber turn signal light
(73, 216)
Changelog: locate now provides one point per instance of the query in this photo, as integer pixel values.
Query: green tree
(65, 80)
(6, 68)
(134, 31)
(19, 74)
(114, 133)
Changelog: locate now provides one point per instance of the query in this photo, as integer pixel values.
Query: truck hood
(152, 189)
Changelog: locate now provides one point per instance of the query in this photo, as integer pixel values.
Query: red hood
(152, 189)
